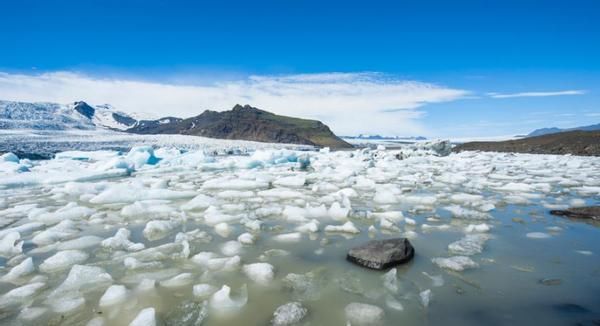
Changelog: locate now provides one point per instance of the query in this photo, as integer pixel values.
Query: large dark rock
(382, 254)
(589, 212)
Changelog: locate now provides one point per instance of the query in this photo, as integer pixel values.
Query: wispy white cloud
(349, 103)
(537, 94)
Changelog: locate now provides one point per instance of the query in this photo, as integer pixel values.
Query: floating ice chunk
(289, 314)
(199, 202)
(470, 245)
(146, 317)
(224, 264)
(304, 287)
(30, 314)
(231, 248)
(347, 227)
(393, 303)
(537, 235)
(456, 263)
(385, 197)
(18, 295)
(361, 314)
(288, 237)
(68, 304)
(234, 184)
(459, 212)
(297, 181)
(60, 231)
(83, 278)
(477, 228)
(223, 302)
(410, 221)
(157, 229)
(203, 290)
(25, 268)
(576, 202)
(129, 193)
(386, 224)
(310, 227)
(84, 242)
(261, 273)
(364, 183)
(141, 156)
(337, 212)
(437, 280)
(246, 239)
(62, 260)
(120, 241)
(114, 295)
(146, 285)
(9, 157)
(425, 297)
(294, 214)
(223, 229)
(516, 187)
(132, 263)
(441, 227)
(584, 252)
(96, 321)
(11, 245)
(395, 216)
(147, 208)
(390, 280)
(280, 193)
(178, 280)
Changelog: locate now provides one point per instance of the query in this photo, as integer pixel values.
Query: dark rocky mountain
(586, 143)
(553, 130)
(245, 123)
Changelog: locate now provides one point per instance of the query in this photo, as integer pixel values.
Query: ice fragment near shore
(456, 263)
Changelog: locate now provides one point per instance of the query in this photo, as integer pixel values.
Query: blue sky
(451, 54)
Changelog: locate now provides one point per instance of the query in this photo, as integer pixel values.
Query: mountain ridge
(553, 130)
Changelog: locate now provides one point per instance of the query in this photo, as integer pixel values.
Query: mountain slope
(247, 123)
(586, 143)
(53, 116)
(553, 130)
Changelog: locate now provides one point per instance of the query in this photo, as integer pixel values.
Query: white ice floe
(231, 248)
(222, 301)
(362, 314)
(288, 237)
(537, 235)
(156, 230)
(246, 239)
(203, 290)
(470, 245)
(347, 227)
(425, 297)
(261, 273)
(223, 229)
(114, 295)
(20, 294)
(146, 317)
(179, 280)
(24, 268)
(456, 263)
(120, 241)
(11, 245)
(62, 260)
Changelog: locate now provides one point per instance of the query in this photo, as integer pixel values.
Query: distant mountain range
(379, 137)
(242, 122)
(553, 130)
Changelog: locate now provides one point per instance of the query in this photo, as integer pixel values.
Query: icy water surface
(100, 237)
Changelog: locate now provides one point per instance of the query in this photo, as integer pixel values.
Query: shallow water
(505, 288)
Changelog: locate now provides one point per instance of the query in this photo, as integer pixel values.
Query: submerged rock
(589, 212)
(382, 254)
(289, 314)
(188, 313)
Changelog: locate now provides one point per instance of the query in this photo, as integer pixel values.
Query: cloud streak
(349, 103)
(537, 94)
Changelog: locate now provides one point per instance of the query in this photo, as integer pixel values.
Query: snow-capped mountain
(53, 116)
